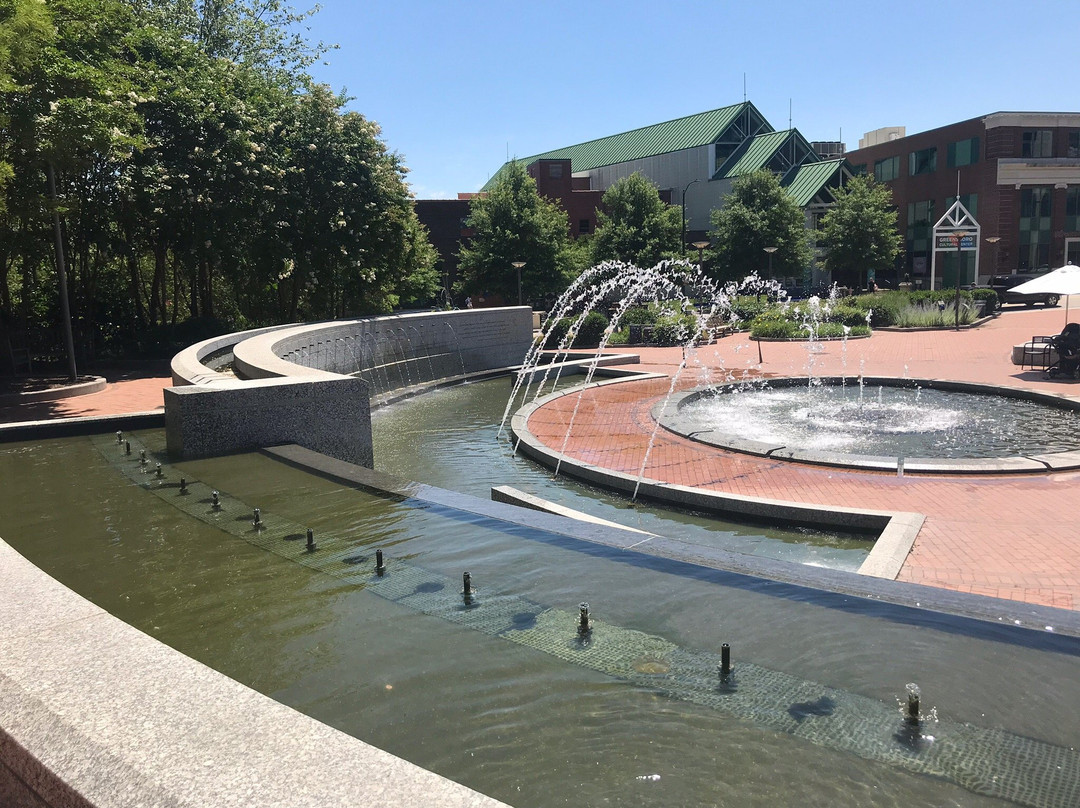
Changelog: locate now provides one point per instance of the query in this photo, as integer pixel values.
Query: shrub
(557, 333)
(620, 337)
(639, 315)
(674, 329)
(748, 308)
(591, 330)
(764, 328)
(989, 297)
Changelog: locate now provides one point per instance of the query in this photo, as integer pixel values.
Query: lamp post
(770, 251)
(683, 235)
(518, 265)
(959, 238)
(993, 242)
(700, 247)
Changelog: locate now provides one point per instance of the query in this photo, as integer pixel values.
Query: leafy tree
(859, 232)
(758, 213)
(635, 225)
(200, 175)
(514, 223)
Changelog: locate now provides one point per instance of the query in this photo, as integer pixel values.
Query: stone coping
(187, 366)
(666, 413)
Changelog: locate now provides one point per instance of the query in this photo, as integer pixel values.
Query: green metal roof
(637, 144)
(758, 153)
(810, 179)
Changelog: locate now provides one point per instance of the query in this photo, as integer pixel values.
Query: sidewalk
(131, 388)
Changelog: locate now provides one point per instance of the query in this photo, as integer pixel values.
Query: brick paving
(1009, 536)
(131, 388)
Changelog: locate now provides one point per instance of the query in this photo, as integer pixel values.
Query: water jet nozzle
(583, 622)
(157, 470)
(256, 520)
(183, 485)
(119, 437)
(142, 457)
(127, 447)
(466, 588)
(380, 568)
(310, 540)
(216, 500)
(913, 703)
(725, 660)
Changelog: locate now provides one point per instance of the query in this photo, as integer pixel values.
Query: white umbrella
(1063, 281)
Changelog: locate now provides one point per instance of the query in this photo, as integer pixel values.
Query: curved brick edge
(92, 384)
(895, 531)
(1017, 464)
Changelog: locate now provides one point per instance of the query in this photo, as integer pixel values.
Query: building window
(887, 169)
(1073, 149)
(1037, 143)
(858, 170)
(1034, 241)
(964, 152)
(584, 226)
(920, 228)
(923, 161)
(555, 171)
(1035, 202)
(1072, 209)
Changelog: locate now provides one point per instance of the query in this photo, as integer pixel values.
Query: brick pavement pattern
(1009, 536)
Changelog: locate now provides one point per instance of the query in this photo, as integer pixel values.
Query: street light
(993, 241)
(700, 247)
(684, 190)
(518, 265)
(770, 251)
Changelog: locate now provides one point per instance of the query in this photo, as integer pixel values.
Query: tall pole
(61, 272)
(959, 255)
(684, 190)
(518, 265)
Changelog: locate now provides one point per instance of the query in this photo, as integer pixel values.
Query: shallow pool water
(538, 719)
(449, 438)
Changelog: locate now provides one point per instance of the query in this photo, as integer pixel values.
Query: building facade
(1017, 173)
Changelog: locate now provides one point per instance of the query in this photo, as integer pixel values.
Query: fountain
(813, 713)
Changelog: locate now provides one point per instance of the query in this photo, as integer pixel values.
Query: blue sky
(456, 86)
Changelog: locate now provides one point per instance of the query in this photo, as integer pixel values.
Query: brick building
(1018, 174)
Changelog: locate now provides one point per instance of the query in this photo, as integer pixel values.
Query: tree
(514, 223)
(635, 225)
(859, 233)
(758, 213)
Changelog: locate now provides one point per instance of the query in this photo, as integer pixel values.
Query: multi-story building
(1017, 173)
(693, 161)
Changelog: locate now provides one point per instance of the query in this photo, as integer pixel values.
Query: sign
(947, 241)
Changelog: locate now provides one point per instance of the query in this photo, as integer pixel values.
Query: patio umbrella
(1061, 281)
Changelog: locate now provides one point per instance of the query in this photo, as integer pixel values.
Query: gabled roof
(758, 152)
(811, 178)
(648, 141)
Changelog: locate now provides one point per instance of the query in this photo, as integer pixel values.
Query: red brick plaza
(1011, 536)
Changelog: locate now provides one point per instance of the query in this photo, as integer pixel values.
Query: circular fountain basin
(884, 424)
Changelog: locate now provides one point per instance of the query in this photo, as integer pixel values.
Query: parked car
(1003, 284)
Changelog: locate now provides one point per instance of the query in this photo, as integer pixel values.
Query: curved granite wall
(312, 384)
